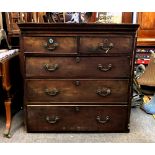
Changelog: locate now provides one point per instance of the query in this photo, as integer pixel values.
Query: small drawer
(106, 44)
(78, 67)
(68, 91)
(77, 118)
(58, 45)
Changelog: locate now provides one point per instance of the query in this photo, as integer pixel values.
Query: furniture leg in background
(6, 83)
(8, 117)
(6, 87)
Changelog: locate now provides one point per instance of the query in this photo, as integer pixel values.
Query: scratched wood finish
(84, 84)
(85, 91)
(78, 67)
(38, 44)
(121, 44)
(77, 119)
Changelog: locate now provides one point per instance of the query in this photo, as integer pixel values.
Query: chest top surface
(77, 28)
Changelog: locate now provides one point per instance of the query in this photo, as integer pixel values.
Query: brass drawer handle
(51, 45)
(104, 68)
(51, 68)
(52, 92)
(103, 92)
(52, 119)
(102, 120)
(105, 46)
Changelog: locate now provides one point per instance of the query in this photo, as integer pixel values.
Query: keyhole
(77, 59)
(77, 109)
(77, 83)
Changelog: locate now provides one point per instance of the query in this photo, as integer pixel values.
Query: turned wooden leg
(8, 117)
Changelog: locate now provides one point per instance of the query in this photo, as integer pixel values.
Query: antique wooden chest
(77, 77)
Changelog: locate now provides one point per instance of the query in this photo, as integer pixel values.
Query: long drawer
(77, 118)
(52, 44)
(77, 91)
(78, 67)
(106, 44)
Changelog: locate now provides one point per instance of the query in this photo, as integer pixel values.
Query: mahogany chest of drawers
(77, 77)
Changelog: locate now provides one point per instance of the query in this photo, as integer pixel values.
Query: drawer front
(66, 91)
(78, 67)
(77, 118)
(56, 45)
(105, 44)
